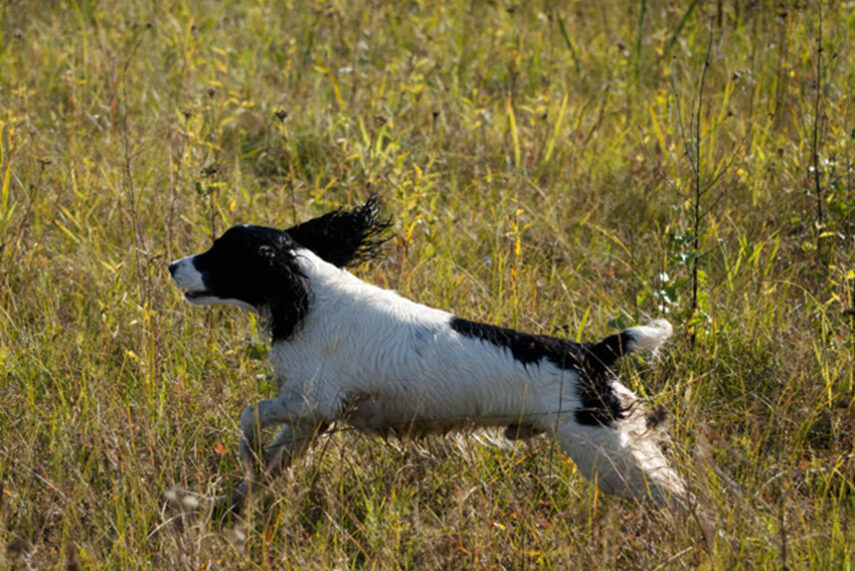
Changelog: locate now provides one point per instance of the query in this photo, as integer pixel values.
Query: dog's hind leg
(623, 459)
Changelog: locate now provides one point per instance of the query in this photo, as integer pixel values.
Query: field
(561, 168)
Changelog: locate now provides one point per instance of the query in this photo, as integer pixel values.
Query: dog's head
(256, 268)
(253, 267)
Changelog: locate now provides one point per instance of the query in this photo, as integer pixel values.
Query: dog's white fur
(386, 364)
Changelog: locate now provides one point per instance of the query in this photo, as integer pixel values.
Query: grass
(556, 168)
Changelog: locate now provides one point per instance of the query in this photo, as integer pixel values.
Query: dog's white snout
(185, 274)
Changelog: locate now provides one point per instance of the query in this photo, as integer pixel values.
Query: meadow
(562, 168)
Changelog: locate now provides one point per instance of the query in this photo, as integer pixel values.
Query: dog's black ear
(344, 237)
(288, 294)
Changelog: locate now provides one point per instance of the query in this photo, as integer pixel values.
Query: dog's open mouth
(191, 295)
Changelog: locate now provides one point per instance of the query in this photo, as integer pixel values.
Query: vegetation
(560, 168)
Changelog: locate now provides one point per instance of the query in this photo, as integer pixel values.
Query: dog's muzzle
(187, 277)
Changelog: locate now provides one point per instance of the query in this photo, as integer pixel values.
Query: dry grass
(547, 167)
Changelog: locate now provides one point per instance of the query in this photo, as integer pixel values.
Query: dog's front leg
(256, 417)
(302, 423)
(290, 443)
(304, 411)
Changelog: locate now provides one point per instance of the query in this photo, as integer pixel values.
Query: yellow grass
(538, 162)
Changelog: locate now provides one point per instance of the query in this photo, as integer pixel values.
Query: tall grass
(534, 159)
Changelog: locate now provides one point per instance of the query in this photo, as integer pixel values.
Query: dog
(347, 351)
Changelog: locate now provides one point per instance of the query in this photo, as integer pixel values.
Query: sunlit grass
(540, 164)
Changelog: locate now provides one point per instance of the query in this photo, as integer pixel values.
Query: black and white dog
(344, 350)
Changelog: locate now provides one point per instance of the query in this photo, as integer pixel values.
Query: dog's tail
(344, 237)
(648, 337)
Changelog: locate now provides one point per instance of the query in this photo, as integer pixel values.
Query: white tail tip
(649, 337)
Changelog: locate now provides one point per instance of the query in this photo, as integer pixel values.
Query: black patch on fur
(257, 265)
(344, 237)
(525, 347)
(591, 361)
(600, 404)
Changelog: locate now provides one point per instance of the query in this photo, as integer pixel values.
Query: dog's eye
(267, 252)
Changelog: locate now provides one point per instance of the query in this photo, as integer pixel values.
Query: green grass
(541, 164)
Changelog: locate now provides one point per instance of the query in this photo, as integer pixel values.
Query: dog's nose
(172, 267)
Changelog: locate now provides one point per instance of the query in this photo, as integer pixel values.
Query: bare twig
(699, 190)
(128, 183)
(820, 215)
